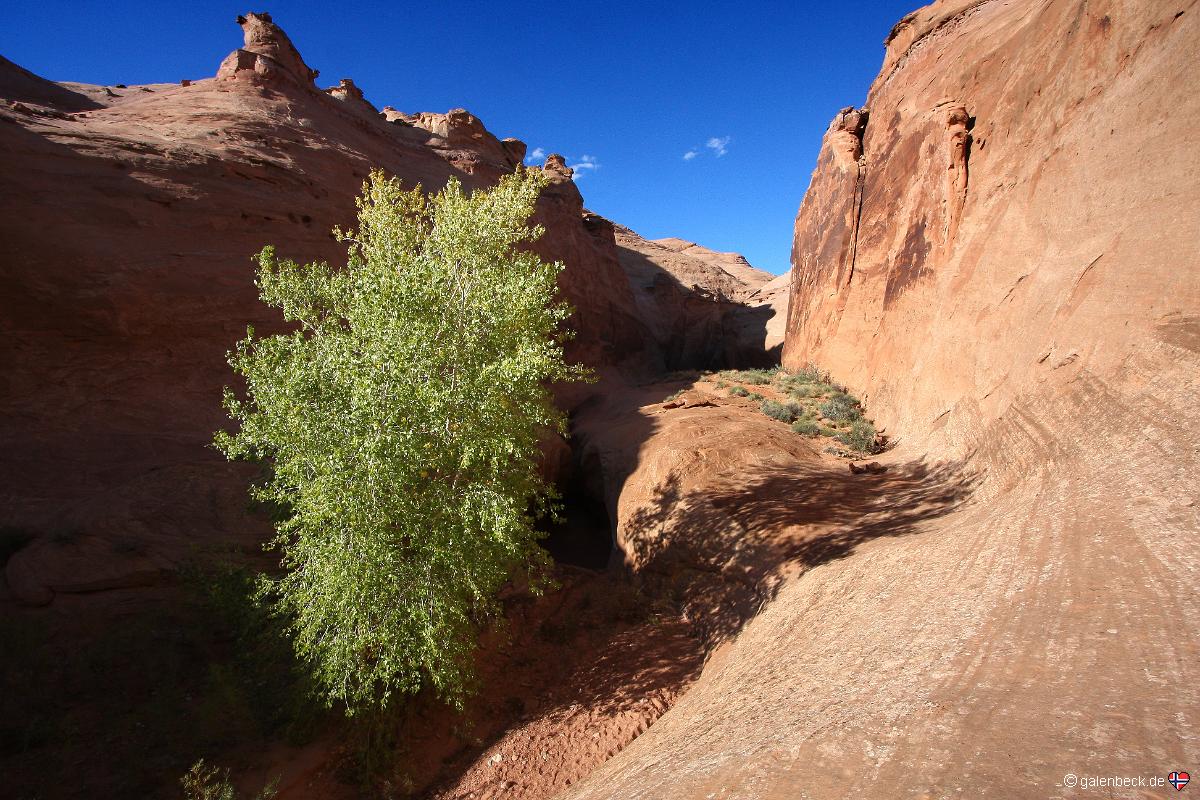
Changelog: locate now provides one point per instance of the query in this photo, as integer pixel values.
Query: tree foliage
(401, 419)
(203, 782)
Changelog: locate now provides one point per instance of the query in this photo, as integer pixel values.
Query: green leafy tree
(401, 419)
(203, 782)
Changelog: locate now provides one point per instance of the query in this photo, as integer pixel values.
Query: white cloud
(582, 166)
(585, 164)
(719, 145)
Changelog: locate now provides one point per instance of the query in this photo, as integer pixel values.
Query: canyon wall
(1010, 216)
(128, 218)
(703, 309)
(999, 252)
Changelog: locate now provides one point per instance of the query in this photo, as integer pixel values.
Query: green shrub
(841, 408)
(806, 427)
(806, 390)
(861, 437)
(825, 430)
(739, 391)
(756, 396)
(811, 373)
(721, 384)
(754, 377)
(784, 412)
(401, 418)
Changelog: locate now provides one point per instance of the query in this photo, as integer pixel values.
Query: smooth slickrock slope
(703, 309)
(775, 295)
(128, 217)
(1001, 253)
(729, 273)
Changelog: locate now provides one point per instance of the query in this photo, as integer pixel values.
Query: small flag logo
(1178, 780)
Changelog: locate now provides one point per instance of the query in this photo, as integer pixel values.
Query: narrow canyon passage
(711, 532)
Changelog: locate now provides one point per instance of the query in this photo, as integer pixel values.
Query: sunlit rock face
(999, 253)
(1004, 215)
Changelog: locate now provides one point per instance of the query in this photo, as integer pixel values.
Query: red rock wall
(1005, 265)
(128, 218)
(702, 309)
(1012, 215)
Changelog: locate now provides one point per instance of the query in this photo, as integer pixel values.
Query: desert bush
(401, 419)
(861, 437)
(806, 390)
(625, 603)
(784, 412)
(841, 408)
(739, 391)
(811, 373)
(66, 535)
(754, 377)
(756, 396)
(777, 411)
(825, 430)
(806, 427)
(262, 683)
(808, 382)
(558, 631)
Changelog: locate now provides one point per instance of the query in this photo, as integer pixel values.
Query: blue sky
(630, 87)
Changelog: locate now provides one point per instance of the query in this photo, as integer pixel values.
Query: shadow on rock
(723, 552)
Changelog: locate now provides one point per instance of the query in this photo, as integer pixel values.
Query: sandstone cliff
(128, 216)
(703, 309)
(999, 252)
(1008, 223)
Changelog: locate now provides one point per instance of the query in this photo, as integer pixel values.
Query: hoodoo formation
(997, 253)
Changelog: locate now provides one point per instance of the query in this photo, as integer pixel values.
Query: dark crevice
(582, 537)
(859, 188)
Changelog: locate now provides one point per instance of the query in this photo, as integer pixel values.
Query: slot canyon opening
(582, 537)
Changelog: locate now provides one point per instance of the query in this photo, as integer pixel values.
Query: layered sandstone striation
(128, 218)
(998, 251)
(728, 273)
(774, 295)
(702, 308)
